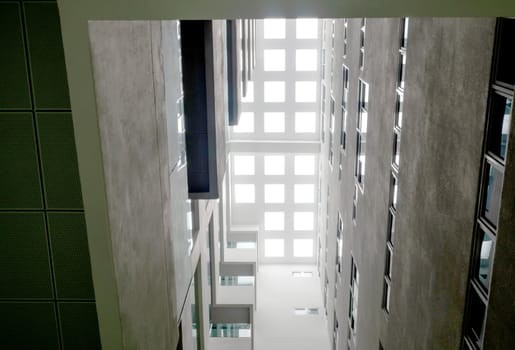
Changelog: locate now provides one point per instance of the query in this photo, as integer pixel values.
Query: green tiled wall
(46, 291)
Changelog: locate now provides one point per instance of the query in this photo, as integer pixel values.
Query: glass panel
(243, 165)
(398, 110)
(305, 122)
(304, 193)
(499, 125)
(303, 248)
(304, 165)
(306, 60)
(274, 122)
(307, 28)
(274, 91)
(230, 330)
(305, 91)
(274, 28)
(244, 193)
(393, 194)
(236, 280)
(492, 194)
(274, 60)
(249, 97)
(402, 70)
(484, 265)
(303, 221)
(274, 221)
(274, 247)
(305, 311)
(274, 193)
(396, 148)
(246, 123)
(388, 263)
(391, 226)
(386, 296)
(274, 165)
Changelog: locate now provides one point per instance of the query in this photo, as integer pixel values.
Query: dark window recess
(492, 189)
(505, 70)
(393, 192)
(232, 73)
(396, 148)
(476, 320)
(499, 124)
(398, 110)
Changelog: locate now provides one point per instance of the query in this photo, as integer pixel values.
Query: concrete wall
(448, 67)
(147, 220)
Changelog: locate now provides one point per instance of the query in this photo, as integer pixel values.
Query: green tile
(79, 326)
(27, 326)
(46, 56)
(20, 185)
(14, 82)
(70, 255)
(59, 161)
(24, 259)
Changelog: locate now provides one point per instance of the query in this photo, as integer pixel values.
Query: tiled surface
(46, 289)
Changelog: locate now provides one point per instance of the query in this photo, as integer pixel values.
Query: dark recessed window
(402, 70)
(393, 191)
(505, 70)
(388, 264)
(475, 324)
(491, 201)
(499, 124)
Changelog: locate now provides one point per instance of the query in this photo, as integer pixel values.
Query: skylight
(275, 91)
(305, 122)
(243, 165)
(274, 60)
(274, 221)
(274, 248)
(246, 123)
(274, 165)
(306, 60)
(274, 28)
(305, 165)
(274, 122)
(305, 91)
(274, 193)
(307, 28)
(304, 193)
(303, 221)
(303, 248)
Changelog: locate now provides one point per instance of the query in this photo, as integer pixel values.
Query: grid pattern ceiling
(276, 186)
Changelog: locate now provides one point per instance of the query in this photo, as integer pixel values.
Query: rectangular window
(492, 189)
(361, 131)
(499, 124)
(304, 311)
(484, 257)
(396, 148)
(393, 191)
(354, 297)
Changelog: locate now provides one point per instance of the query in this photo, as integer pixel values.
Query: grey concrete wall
(447, 83)
(448, 67)
(130, 84)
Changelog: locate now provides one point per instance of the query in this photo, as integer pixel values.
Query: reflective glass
(492, 194)
(499, 125)
(484, 265)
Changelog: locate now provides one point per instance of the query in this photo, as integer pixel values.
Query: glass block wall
(46, 291)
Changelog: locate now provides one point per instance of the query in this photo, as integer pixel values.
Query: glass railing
(236, 280)
(230, 330)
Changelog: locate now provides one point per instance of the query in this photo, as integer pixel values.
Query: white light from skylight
(246, 123)
(244, 193)
(307, 28)
(274, 165)
(305, 165)
(304, 193)
(274, 193)
(303, 221)
(274, 60)
(274, 28)
(274, 221)
(274, 91)
(305, 122)
(274, 247)
(274, 122)
(305, 91)
(249, 97)
(303, 248)
(306, 60)
(243, 165)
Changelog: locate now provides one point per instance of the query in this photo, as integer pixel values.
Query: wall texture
(46, 293)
